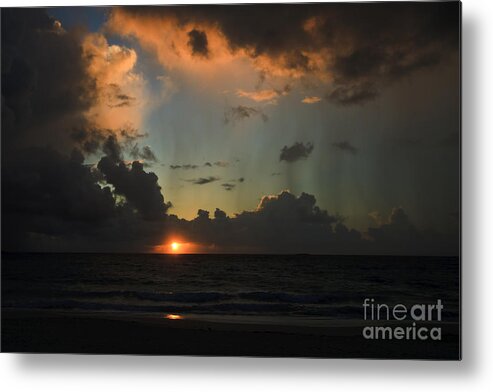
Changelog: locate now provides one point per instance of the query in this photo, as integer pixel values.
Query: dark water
(301, 287)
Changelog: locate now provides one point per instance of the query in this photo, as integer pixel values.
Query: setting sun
(173, 316)
(176, 246)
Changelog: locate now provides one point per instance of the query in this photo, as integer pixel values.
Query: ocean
(298, 289)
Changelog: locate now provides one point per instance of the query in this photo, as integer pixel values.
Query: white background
(132, 373)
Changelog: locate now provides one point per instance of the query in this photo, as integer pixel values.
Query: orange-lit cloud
(328, 45)
(311, 100)
(266, 95)
(169, 37)
(120, 92)
(258, 96)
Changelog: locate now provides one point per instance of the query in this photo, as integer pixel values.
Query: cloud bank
(286, 223)
(354, 51)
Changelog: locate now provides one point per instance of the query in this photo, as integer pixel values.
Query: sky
(323, 128)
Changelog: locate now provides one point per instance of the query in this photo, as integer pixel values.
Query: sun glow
(177, 246)
(173, 316)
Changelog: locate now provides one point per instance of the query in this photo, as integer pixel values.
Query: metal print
(247, 180)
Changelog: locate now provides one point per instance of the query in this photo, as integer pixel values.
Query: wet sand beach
(66, 332)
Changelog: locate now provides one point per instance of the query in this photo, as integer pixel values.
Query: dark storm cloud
(54, 202)
(296, 152)
(198, 43)
(45, 93)
(203, 180)
(238, 113)
(220, 215)
(45, 182)
(43, 96)
(281, 223)
(362, 47)
(398, 235)
(51, 199)
(87, 140)
(285, 223)
(345, 146)
(112, 149)
(139, 188)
